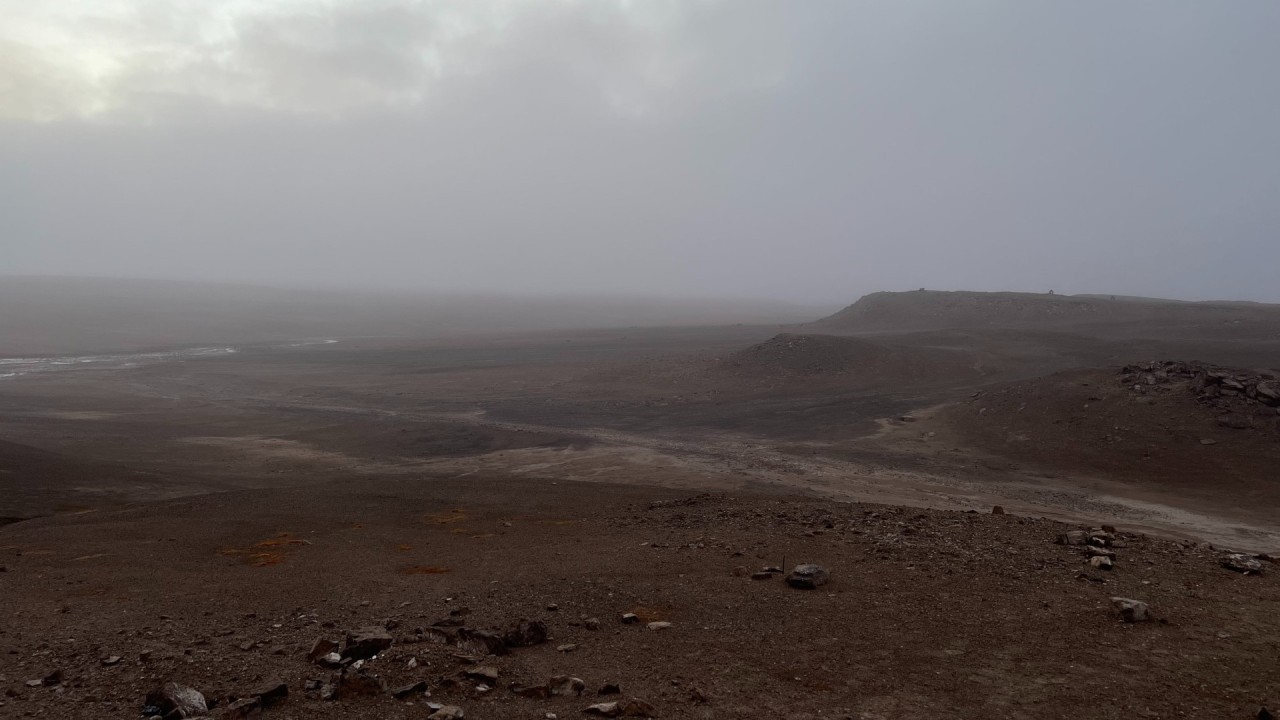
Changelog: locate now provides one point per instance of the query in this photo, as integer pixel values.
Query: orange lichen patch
(404, 548)
(423, 570)
(649, 614)
(266, 553)
(264, 559)
(445, 518)
(280, 540)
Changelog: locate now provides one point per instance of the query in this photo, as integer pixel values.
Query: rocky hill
(1105, 316)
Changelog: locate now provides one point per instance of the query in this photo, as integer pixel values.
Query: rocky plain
(927, 505)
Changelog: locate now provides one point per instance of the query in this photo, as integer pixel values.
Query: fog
(807, 152)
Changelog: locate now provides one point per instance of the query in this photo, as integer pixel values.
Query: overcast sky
(803, 150)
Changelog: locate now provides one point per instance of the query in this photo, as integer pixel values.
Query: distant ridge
(1105, 315)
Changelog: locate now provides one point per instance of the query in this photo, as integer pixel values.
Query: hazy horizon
(804, 153)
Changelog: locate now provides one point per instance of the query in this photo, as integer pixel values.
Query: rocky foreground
(505, 599)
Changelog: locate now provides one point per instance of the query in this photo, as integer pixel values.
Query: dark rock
(627, 707)
(446, 712)
(533, 692)
(630, 618)
(479, 642)
(565, 685)
(360, 682)
(54, 678)
(1073, 537)
(321, 647)
(112, 660)
(405, 691)
(1241, 563)
(591, 624)
(243, 709)
(527, 633)
(484, 673)
(1131, 610)
(997, 510)
(808, 576)
(1101, 562)
(271, 693)
(610, 689)
(364, 644)
(177, 701)
(762, 575)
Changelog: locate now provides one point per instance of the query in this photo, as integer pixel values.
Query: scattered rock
(658, 625)
(54, 678)
(628, 707)
(591, 624)
(610, 689)
(1241, 563)
(1101, 562)
(447, 712)
(1131, 610)
(1094, 551)
(762, 575)
(480, 642)
(172, 700)
(567, 647)
(997, 510)
(360, 682)
(630, 618)
(808, 576)
(366, 643)
(112, 660)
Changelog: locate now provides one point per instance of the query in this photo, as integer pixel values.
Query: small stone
(447, 712)
(177, 701)
(360, 682)
(35, 683)
(1208, 441)
(658, 625)
(332, 661)
(565, 686)
(1092, 551)
(997, 510)
(1241, 563)
(247, 645)
(808, 576)
(311, 685)
(54, 678)
(567, 647)
(1101, 562)
(112, 660)
(630, 618)
(610, 689)
(762, 575)
(1131, 611)
(552, 607)
(592, 624)
(608, 709)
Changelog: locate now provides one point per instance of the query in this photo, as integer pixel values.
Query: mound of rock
(1238, 396)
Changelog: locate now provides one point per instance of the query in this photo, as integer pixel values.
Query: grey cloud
(808, 151)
